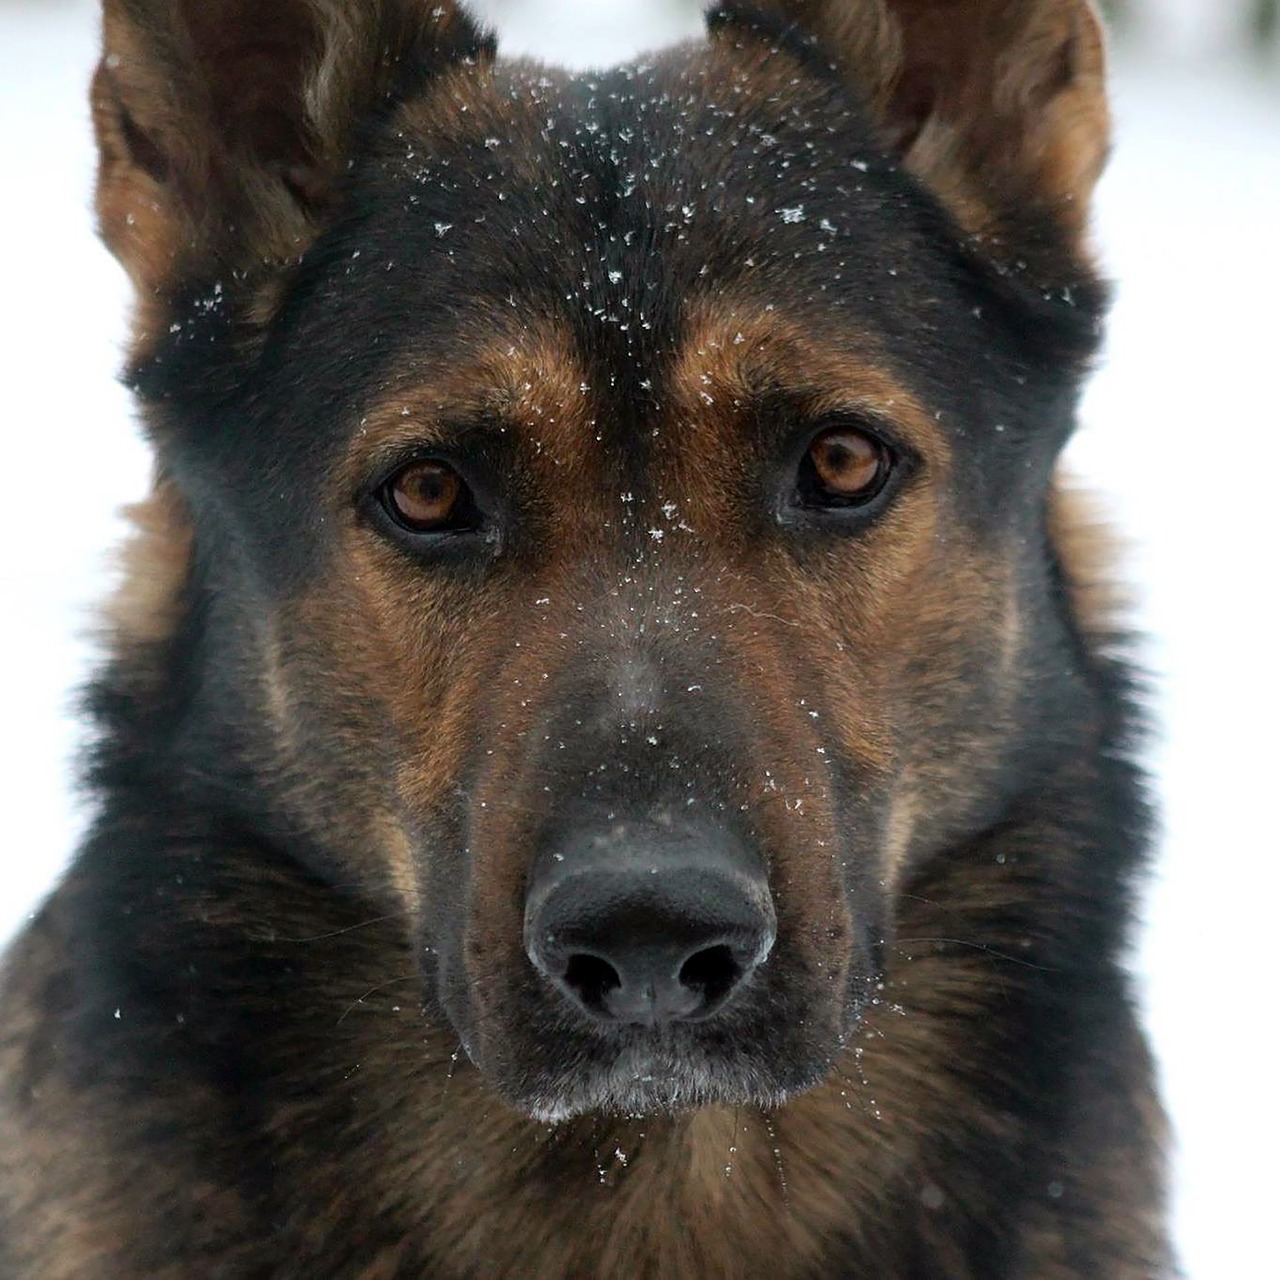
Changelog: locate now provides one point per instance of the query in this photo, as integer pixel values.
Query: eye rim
(470, 524)
(804, 504)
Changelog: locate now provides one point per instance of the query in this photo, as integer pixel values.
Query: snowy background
(1182, 436)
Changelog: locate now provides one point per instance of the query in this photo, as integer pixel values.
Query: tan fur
(240, 109)
(1090, 553)
(902, 597)
(154, 564)
(381, 697)
(981, 148)
(996, 106)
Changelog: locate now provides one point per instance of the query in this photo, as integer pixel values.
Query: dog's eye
(844, 467)
(428, 497)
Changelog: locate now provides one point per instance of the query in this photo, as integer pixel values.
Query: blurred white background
(1182, 436)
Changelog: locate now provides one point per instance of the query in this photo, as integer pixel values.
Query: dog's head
(617, 502)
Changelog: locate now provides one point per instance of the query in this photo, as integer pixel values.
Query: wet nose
(648, 923)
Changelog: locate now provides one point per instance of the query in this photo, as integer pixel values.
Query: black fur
(201, 975)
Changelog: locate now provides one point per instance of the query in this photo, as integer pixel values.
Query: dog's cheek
(362, 687)
(919, 665)
(959, 694)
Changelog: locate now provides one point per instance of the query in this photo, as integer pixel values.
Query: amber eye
(845, 467)
(428, 497)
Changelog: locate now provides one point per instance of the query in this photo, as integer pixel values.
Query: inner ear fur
(224, 126)
(999, 106)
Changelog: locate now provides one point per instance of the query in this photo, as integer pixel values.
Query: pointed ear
(224, 126)
(999, 106)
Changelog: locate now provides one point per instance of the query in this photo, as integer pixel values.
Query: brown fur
(1091, 553)
(721, 1192)
(994, 104)
(369, 703)
(154, 565)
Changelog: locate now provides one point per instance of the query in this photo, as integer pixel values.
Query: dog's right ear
(224, 126)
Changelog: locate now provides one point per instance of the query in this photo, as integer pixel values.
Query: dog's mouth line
(650, 1096)
(646, 1080)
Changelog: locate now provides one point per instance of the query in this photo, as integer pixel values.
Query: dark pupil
(429, 488)
(425, 494)
(846, 463)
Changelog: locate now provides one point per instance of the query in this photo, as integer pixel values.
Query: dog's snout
(648, 924)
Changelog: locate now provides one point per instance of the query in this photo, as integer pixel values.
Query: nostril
(648, 926)
(713, 972)
(592, 978)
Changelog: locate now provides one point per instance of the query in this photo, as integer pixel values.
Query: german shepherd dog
(614, 760)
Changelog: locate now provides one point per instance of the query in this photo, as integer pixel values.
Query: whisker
(333, 933)
(390, 982)
(976, 946)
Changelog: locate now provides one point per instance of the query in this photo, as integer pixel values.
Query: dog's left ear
(999, 106)
(224, 126)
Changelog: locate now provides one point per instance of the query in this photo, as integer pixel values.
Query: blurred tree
(1251, 22)
(1266, 21)
(1256, 22)
(1117, 12)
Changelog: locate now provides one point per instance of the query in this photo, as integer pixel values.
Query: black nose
(648, 922)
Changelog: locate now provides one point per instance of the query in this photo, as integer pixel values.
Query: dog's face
(631, 488)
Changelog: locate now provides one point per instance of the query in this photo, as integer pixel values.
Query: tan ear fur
(224, 125)
(998, 105)
(1015, 110)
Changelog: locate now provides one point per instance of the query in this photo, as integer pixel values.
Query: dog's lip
(653, 1076)
(655, 1095)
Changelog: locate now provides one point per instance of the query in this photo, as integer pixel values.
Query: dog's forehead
(621, 225)
(679, 168)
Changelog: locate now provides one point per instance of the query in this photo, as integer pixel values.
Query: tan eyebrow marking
(738, 349)
(527, 376)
